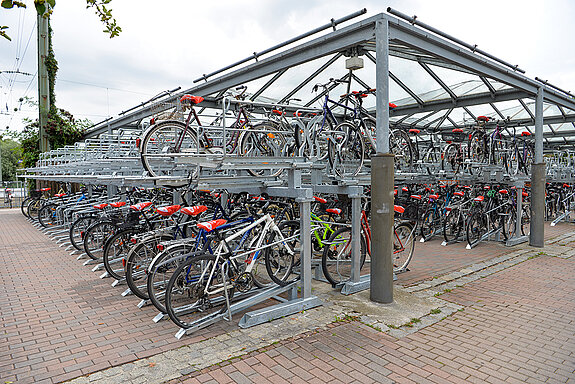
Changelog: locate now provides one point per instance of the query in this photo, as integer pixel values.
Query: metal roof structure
(437, 81)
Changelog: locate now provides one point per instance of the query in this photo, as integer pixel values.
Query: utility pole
(43, 86)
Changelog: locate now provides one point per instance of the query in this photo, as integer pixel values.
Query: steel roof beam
(438, 80)
(527, 109)
(488, 85)
(335, 42)
(268, 84)
(457, 55)
(406, 89)
(311, 77)
(462, 101)
(443, 118)
(423, 118)
(497, 111)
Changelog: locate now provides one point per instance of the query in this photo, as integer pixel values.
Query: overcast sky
(168, 44)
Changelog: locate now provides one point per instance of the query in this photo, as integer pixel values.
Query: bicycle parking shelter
(384, 42)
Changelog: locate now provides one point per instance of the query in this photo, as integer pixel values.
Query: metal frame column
(382, 173)
(537, 228)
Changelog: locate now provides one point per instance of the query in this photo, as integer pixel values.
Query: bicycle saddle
(195, 210)
(140, 206)
(191, 99)
(211, 225)
(168, 210)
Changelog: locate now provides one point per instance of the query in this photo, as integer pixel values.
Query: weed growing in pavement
(345, 318)
(447, 290)
(392, 326)
(435, 311)
(374, 327)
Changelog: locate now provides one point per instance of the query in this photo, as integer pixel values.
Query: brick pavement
(517, 327)
(56, 329)
(60, 321)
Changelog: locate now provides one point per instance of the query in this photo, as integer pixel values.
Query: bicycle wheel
(282, 266)
(262, 140)
(95, 238)
(161, 268)
(115, 251)
(400, 146)
(336, 260)
(453, 224)
(452, 159)
(403, 246)
(526, 156)
(369, 128)
(429, 223)
(165, 138)
(476, 150)
(476, 228)
(512, 161)
(509, 220)
(33, 208)
(316, 145)
(77, 230)
(137, 262)
(346, 150)
(24, 206)
(47, 215)
(186, 298)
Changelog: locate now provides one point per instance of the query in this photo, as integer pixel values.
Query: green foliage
(11, 153)
(105, 15)
(62, 129)
(45, 8)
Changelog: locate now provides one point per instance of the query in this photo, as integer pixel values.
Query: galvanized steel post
(382, 172)
(536, 236)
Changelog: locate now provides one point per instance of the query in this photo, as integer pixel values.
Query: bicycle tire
(33, 208)
(475, 229)
(47, 215)
(160, 140)
(185, 299)
(346, 150)
(116, 250)
(137, 262)
(24, 206)
(453, 224)
(476, 147)
(400, 146)
(95, 238)
(161, 268)
(430, 221)
(336, 259)
(452, 159)
(403, 246)
(262, 140)
(282, 267)
(77, 230)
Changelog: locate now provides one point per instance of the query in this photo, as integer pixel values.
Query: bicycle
(165, 140)
(8, 198)
(204, 284)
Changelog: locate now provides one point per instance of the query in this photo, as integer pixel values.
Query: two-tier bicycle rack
(109, 155)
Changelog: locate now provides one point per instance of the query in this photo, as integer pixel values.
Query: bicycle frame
(223, 253)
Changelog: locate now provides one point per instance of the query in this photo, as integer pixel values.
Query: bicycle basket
(456, 137)
(35, 194)
(117, 219)
(132, 217)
